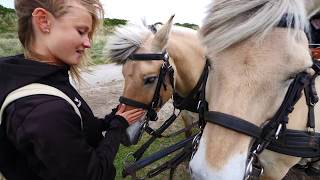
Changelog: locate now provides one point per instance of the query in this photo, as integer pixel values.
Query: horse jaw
(160, 39)
(133, 131)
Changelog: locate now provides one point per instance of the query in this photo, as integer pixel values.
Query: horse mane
(128, 38)
(124, 41)
(231, 21)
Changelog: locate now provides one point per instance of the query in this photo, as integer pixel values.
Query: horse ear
(161, 37)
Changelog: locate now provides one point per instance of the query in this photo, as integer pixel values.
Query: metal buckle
(253, 157)
(199, 104)
(311, 102)
(166, 56)
(195, 144)
(311, 130)
(278, 131)
(249, 166)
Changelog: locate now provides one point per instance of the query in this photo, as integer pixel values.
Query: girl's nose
(87, 43)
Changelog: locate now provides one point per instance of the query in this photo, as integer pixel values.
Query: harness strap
(156, 97)
(144, 57)
(203, 104)
(151, 131)
(281, 117)
(297, 143)
(35, 89)
(190, 102)
(133, 103)
(155, 134)
(131, 168)
(234, 123)
(172, 163)
(311, 100)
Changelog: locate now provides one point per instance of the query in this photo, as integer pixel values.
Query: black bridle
(274, 135)
(156, 102)
(190, 102)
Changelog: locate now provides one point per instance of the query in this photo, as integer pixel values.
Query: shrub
(9, 47)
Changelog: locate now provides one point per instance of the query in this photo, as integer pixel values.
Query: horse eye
(150, 80)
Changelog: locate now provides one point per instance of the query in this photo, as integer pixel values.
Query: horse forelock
(229, 22)
(125, 41)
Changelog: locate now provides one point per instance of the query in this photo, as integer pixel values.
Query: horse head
(257, 49)
(145, 69)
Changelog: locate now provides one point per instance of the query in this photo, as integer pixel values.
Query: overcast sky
(186, 11)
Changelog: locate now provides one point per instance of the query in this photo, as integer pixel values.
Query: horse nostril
(193, 175)
(190, 170)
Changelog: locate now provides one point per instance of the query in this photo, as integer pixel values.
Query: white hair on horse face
(198, 163)
(229, 22)
(125, 41)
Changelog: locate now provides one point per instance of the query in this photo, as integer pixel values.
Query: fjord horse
(256, 48)
(186, 56)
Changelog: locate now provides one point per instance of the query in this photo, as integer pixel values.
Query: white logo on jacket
(78, 102)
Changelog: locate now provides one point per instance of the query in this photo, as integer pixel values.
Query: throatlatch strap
(37, 89)
(191, 101)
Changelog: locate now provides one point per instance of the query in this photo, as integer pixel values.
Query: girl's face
(316, 23)
(69, 35)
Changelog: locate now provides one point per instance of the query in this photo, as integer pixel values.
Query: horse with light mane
(186, 55)
(254, 62)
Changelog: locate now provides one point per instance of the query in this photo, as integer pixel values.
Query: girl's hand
(132, 115)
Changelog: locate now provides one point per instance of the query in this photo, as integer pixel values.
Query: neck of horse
(187, 55)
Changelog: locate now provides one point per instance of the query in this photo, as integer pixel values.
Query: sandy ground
(102, 87)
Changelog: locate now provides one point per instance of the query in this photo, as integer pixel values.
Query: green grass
(96, 51)
(159, 144)
(10, 45)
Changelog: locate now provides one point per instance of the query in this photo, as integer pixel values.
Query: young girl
(41, 135)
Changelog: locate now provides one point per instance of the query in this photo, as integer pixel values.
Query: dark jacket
(41, 134)
(315, 33)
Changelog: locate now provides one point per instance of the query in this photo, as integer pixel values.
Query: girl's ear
(41, 19)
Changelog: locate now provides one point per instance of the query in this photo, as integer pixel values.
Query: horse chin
(135, 131)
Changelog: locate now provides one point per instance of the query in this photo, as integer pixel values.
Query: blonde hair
(57, 8)
(229, 22)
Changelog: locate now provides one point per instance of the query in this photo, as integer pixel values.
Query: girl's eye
(150, 80)
(81, 32)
